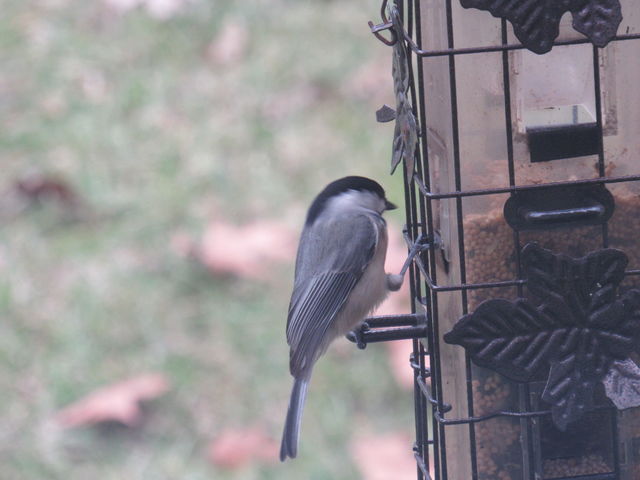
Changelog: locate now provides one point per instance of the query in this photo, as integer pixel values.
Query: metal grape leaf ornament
(536, 22)
(405, 135)
(579, 332)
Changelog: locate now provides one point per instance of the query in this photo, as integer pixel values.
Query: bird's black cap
(344, 185)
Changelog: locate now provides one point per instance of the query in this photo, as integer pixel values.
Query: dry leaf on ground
(236, 448)
(247, 251)
(119, 402)
(384, 457)
(42, 188)
(37, 189)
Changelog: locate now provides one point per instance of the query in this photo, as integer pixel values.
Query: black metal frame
(431, 410)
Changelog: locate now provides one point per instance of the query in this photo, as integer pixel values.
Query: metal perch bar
(389, 327)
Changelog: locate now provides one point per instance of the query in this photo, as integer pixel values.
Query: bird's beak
(389, 206)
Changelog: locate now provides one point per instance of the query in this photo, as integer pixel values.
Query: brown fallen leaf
(43, 188)
(39, 189)
(119, 402)
(236, 448)
(247, 251)
(384, 457)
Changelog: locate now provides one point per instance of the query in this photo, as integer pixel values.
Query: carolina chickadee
(339, 280)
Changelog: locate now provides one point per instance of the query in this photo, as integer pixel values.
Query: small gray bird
(339, 280)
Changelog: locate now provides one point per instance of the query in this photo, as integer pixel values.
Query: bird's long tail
(289, 446)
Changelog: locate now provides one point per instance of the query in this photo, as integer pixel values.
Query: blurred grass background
(157, 135)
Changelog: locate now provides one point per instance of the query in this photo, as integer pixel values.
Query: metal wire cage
(519, 139)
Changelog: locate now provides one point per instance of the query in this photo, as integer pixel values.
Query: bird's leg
(394, 281)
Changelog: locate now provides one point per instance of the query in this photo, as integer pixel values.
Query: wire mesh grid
(432, 407)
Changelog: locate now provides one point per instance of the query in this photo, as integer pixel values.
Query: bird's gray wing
(331, 259)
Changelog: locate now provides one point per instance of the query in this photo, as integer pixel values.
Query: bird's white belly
(368, 293)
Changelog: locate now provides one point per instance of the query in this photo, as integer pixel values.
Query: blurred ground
(130, 132)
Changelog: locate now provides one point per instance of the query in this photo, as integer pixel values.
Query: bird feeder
(517, 123)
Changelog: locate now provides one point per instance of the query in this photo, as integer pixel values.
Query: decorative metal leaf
(400, 67)
(385, 114)
(398, 149)
(598, 20)
(631, 302)
(622, 384)
(405, 136)
(405, 139)
(580, 328)
(590, 281)
(536, 22)
(570, 388)
(616, 326)
(512, 338)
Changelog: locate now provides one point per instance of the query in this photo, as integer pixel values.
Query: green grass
(157, 139)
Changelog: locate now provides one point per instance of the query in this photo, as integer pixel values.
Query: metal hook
(385, 25)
